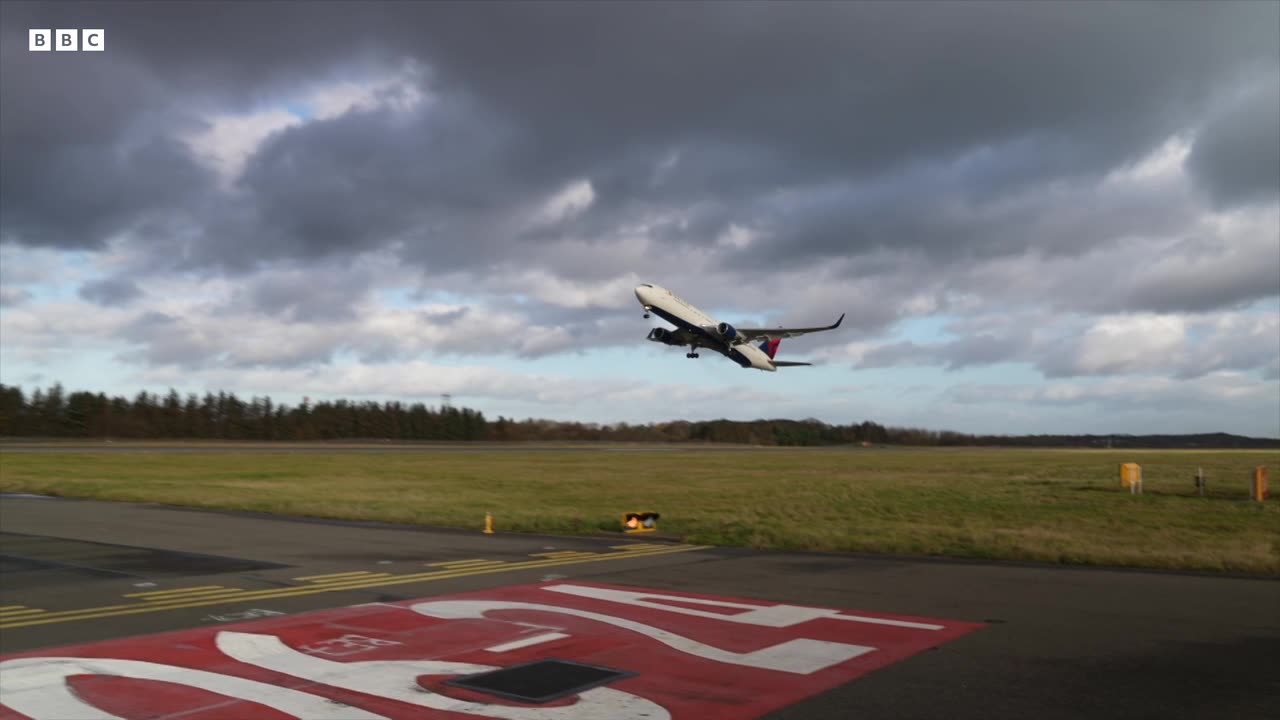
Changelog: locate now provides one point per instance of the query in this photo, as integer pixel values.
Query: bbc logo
(67, 40)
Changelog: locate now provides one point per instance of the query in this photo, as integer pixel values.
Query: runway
(865, 637)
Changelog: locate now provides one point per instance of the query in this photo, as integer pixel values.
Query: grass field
(1057, 506)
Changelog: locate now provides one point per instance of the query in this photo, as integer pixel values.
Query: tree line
(55, 413)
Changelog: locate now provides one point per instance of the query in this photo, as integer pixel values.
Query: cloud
(110, 291)
(1086, 190)
(10, 296)
(1117, 345)
(1236, 157)
(227, 141)
(1174, 346)
(573, 200)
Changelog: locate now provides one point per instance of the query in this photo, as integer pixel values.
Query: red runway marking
(693, 657)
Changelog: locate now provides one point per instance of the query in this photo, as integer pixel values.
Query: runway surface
(691, 631)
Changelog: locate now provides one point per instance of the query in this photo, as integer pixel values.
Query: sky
(1039, 217)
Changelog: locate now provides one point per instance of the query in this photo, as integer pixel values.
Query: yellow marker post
(1131, 477)
(488, 524)
(1258, 488)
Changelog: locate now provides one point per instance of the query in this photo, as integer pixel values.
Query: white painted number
(398, 680)
(800, 656)
(37, 687)
(777, 616)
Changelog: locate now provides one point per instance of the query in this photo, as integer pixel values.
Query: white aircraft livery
(696, 329)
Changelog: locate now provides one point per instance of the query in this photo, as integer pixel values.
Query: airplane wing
(681, 336)
(789, 363)
(750, 334)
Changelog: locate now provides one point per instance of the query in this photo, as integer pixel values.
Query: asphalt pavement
(1021, 640)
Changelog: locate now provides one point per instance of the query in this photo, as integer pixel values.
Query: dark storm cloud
(1257, 276)
(110, 291)
(365, 179)
(836, 129)
(1237, 155)
(230, 51)
(845, 87)
(85, 154)
(69, 190)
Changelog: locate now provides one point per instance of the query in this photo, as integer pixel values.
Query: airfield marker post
(488, 524)
(1131, 477)
(1200, 481)
(1258, 488)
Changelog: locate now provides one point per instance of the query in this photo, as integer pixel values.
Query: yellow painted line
(637, 546)
(460, 563)
(335, 575)
(355, 584)
(350, 579)
(6, 614)
(563, 554)
(12, 607)
(177, 591)
(470, 565)
(200, 595)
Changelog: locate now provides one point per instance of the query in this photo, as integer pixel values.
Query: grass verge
(1057, 506)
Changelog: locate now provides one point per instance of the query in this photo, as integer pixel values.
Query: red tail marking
(771, 347)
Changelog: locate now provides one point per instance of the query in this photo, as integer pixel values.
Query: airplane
(697, 329)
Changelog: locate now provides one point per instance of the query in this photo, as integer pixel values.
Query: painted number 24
(37, 686)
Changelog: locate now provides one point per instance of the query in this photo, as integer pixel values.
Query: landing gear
(646, 316)
(646, 312)
(691, 355)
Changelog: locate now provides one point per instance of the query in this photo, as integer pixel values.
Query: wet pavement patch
(540, 681)
(35, 560)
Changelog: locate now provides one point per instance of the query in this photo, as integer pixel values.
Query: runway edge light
(639, 522)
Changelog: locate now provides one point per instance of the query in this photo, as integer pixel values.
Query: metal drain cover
(540, 681)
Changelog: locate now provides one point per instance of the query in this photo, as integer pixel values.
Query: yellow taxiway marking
(362, 576)
(17, 613)
(175, 591)
(636, 546)
(466, 563)
(355, 583)
(201, 595)
(334, 575)
(563, 554)
(12, 607)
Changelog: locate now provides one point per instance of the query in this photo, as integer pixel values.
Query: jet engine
(727, 331)
(662, 335)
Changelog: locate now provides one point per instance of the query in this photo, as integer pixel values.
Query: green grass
(1057, 506)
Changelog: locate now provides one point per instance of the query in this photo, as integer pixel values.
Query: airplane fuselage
(694, 327)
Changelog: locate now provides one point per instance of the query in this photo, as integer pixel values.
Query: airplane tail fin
(770, 347)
